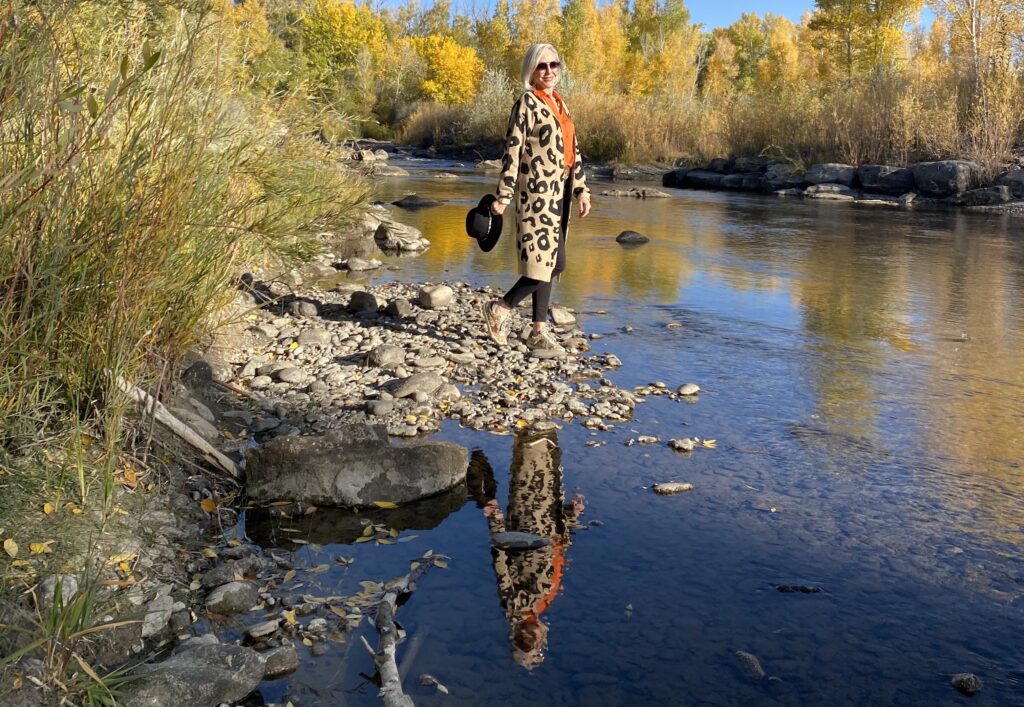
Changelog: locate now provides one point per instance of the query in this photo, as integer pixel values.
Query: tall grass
(138, 175)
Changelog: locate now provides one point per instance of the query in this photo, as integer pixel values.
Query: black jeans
(541, 290)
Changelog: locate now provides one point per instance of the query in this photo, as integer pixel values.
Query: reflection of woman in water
(529, 581)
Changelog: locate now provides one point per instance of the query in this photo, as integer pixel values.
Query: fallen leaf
(280, 503)
(234, 542)
(709, 443)
(385, 541)
(393, 532)
(208, 505)
(363, 539)
(368, 531)
(289, 576)
(340, 612)
(131, 479)
(41, 548)
(123, 557)
(48, 508)
(11, 547)
(209, 552)
(385, 504)
(124, 567)
(289, 616)
(441, 563)
(310, 510)
(319, 568)
(307, 642)
(300, 541)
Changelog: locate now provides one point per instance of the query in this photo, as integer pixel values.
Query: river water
(862, 376)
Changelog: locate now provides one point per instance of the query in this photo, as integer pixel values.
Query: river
(862, 375)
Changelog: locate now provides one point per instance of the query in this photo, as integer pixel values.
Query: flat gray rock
(280, 662)
(385, 356)
(355, 465)
(631, 238)
(670, 488)
(414, 201)
(517, 541)
(232, 598)
(158, 614)
(427, 382)
(200, 676)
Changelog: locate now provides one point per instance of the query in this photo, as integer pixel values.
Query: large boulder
(1014, 179)
(987, 196)
(391, 235)
(722, 165)
(833, 192)
(883, 179)
(756, 182)
(782, 175)
(203, 676)
(831, 173)
(673, 178)
(354, 465)
(702, 179)
(945, 178)
(751, 164)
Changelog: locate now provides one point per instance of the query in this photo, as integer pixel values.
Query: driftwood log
(385, 657)
(153, 407)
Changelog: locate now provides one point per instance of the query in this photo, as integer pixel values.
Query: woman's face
(545, 76)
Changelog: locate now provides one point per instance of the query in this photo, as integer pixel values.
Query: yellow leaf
(368, 531)
(521, 423)
(125, 567)
(209, 552)
(307, 642)
(363, 539)
(131, 479)
(227, 433)
(20, 563)
(441, 563)
(280, 503)
(385, 541)
(709, 443)
(289, 616)
(393, 532)
(340, 612)
(289, 576)
(234, 542)
(41, 548)
(310, 510)
(208, 505)
(48, 508)
(123, 557)
(319, 568)
(385, 504)
(11, 547)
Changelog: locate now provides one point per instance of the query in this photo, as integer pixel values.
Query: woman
(542, 171)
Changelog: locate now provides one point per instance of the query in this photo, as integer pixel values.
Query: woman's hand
(584, 207)
(497, 208)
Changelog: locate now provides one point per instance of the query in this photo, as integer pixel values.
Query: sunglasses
(553, 65)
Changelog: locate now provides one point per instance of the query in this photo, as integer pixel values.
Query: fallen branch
(385, 658)
(152, 406)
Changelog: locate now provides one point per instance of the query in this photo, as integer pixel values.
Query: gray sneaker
(497, 324)
(544, 341)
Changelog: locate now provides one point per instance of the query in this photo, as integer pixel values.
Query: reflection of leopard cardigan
(526, 580)
(532, 170)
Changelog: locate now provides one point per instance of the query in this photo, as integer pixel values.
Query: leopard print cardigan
(532, 171)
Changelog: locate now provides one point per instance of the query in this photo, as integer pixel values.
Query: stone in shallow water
(967, 683)
(750, 665)
(670, 488)
(631, 238)
(232, 597)
(203, 675)
(281, 661)
(688, 389)
(518, 541)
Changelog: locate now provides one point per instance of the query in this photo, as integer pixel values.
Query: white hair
(531, 60)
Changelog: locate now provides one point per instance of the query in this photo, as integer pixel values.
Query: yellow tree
(494, 39)
(748, 36)
(338, 36)
(862, 35)
(453, 71)
(580, 46)
(611, 67)
(780, 66)
(534, 22)
(721, 70)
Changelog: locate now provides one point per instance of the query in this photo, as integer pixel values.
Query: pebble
(682, 445)
(688, 389)
(670, 488)
(264, 629)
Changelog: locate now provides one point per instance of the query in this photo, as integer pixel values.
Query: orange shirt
(557, 107)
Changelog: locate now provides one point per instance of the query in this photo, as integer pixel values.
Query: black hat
(484, 225)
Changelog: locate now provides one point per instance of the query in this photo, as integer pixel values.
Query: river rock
(945, 177)
(399, 308)
(362, 302)
(158, 613)
(262, 630)
(291, 375)
(682, 445)
(385, 356)
(315, 337)
(688, 389)
(733, 181)
(883, 179)
(489, 165)
(750, 164)
(414, 201)
(302, 308)
(631, 238)
(1014, 179)
(391, 235)
(673, 178)
(427, 382)
(47, 591)
(670, 488)
(446, 176)
(202, 675)
(722, 165)
(377, 408)
(360, 265)
(518, 542)
(833, 192)
(782, 175)
(354, 465)
(234, 597)
(636, 193)
(702, 179)
(435, 296)
(227, 572)
(562, 316)
(831, 173)
(280, 662)
(987, 196)
(967, 683)
(750, 665)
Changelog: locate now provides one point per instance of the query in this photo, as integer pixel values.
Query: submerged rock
(967, 683)
(750, 665)
(414, 201)
(517, 541)
(688, 389)
(670, 488)
(631, 238)
(354, 465)
(280, 662)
